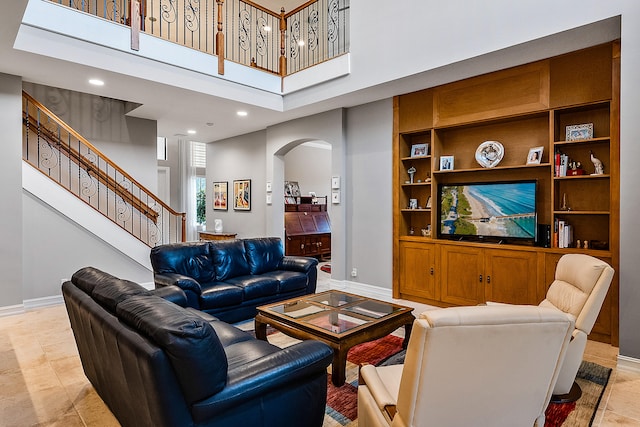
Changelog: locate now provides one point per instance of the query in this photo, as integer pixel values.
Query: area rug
(326, 268)
(342, 401)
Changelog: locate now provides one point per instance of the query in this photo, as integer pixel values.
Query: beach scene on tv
(505, 210)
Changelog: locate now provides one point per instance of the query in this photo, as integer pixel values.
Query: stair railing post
(134, 14)
(220, 39)
(283, 32)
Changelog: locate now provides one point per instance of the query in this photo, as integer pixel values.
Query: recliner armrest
(369, 376)
(298, 263)
(267, 373)
(171, 293)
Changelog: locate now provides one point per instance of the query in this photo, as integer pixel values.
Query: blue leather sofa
(156, 363)
(230, 278)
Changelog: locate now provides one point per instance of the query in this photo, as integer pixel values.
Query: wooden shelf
(522, 107)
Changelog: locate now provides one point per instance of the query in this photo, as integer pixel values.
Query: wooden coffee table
(339, 319)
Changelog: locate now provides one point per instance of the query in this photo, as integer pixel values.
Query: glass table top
(334, 311)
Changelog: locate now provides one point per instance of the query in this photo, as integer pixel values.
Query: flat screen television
(501, 212)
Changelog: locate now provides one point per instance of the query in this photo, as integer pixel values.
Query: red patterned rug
(326, 268)
(342, 406)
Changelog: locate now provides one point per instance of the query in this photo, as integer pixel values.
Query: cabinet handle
(431, 271)
(302, 246)
(488, 280)
(481, 278)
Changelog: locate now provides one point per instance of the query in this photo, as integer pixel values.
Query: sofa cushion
(106, 289)
(288, 281)
(255, 286)
(196, 354)
(189, 259)
(264, 254)
(219, 294)
(228, 259)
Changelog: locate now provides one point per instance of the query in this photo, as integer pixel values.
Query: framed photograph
(428, 204)
(535, 155)
(242, 195)
(446, 163)
(413, 203)
(220, 196)
(579, 132)
(419, 150)
(291, 189)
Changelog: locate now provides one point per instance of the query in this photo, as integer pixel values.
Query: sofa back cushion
(229, 259)
(264, 254)
(189, 259)
(195, 352)
(105, 289)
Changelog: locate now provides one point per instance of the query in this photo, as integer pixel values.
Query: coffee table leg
(339, 367)
(407, 334)
(261, 329)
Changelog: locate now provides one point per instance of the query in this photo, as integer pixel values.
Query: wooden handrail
(110, 162)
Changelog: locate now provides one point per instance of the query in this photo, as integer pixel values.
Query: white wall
(310, 165)
(369, 219)
(54, 247)
(11, 190)
(232, 159)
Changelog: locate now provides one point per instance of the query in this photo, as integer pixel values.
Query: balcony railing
(237, 30)
(56, 150)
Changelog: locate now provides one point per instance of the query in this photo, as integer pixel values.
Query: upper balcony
(233, 40)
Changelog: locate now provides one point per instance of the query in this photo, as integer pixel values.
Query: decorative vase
(217, 225)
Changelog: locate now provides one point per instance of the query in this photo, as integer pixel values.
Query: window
(162, 148)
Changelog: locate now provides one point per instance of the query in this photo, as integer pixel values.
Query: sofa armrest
(268, 373)
(298, 263)
(185, 283)
(171, 293)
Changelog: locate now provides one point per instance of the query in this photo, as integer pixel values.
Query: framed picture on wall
(242, 195)
(220, 196)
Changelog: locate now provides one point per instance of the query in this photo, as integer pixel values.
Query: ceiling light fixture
(96, 82)
(242, 113)
(191, 132)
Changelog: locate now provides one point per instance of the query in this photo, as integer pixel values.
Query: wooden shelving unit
(522, 107)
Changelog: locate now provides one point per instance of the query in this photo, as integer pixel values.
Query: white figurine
(411, 171)
(597, 164)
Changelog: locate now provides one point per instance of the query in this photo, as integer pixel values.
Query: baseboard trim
(627, 363)
(361, 289)
(35, 303)
(11, 310)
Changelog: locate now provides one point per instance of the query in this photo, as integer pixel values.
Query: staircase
(57, 151)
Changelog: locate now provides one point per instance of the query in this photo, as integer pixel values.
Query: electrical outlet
(354, 272)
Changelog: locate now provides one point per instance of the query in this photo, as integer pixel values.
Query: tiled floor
(43, 383)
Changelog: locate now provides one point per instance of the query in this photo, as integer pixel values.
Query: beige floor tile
(612, 419)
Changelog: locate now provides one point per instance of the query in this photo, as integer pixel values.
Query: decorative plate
(489, 154)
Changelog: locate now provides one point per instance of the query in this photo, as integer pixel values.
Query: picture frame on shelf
(420, 150)
(242, 195)
(220, 195)
(446, 163)
(535, 155)
(413, 203)
(428, 204)
(579, 132)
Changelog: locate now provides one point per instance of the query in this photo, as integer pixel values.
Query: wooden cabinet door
(511, 276)
(417, 270)
(461, 275)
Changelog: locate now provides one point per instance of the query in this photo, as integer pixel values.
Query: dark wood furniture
(307, 233)
(339, 319)
(210, 235)
(522, 107)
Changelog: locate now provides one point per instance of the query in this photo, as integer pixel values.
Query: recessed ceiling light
(96, 82)
(191, 132)
(210, 124)
(242, 113)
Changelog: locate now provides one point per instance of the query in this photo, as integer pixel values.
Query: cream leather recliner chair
(579, 289)
(493, 366)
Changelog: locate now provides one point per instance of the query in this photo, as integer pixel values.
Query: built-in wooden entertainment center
(522, 107)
